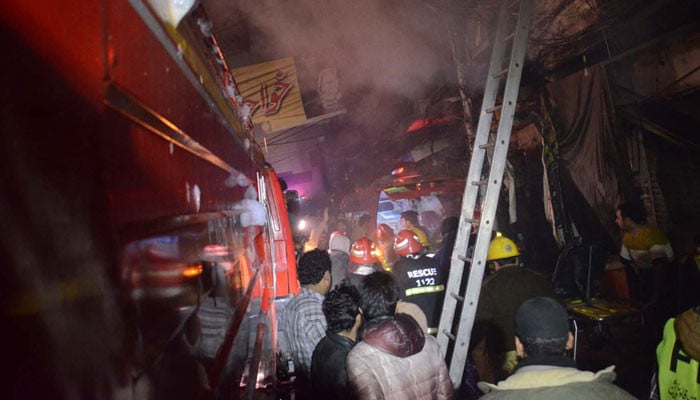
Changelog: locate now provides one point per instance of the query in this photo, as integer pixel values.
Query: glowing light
(214, 250)
(398, 171)
(426, 122)
(192, 271)
(302, 224)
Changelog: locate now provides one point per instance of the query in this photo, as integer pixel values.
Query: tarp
(589, 154)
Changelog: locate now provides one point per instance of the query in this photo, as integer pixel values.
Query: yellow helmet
(501, 247)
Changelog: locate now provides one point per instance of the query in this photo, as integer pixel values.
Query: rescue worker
(419, 277)
(409, 220)
(678, 357)
(363, 261)
(509, 285)
(385, 241)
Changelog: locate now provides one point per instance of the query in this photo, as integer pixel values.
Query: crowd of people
(364, 324)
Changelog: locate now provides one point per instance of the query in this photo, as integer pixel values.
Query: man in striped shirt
(303, 317)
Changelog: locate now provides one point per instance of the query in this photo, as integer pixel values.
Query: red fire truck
(133, 192)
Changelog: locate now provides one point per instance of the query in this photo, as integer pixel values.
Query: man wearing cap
(544, 372)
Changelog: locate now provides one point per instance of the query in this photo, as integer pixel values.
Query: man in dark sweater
(329, 376)
(509, 285)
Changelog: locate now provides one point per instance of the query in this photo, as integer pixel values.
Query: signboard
(272, 92)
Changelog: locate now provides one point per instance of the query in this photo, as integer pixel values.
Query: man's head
(430, 220)
(542, 328)
(630, 213)
(378, 295)
(502, 252)
(341, 307)
(363, 221)
(314, 271)
(409, 219)
(342, 226)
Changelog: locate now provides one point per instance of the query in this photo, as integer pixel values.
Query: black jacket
(329, 378)
(501, 295)
(422, 281)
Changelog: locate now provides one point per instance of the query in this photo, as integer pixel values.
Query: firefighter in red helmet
(419, 277)
(363, 260)
(385, 244)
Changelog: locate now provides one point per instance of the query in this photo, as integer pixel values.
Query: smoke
(389, 46)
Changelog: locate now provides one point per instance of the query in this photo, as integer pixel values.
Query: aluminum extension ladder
(477, 186)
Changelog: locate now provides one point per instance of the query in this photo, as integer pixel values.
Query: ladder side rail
(493, 189)
(471, 191)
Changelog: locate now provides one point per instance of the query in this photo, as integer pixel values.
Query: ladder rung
(457, 297)
(481, 182)
(489, 145)
(465, 259)
(494, 108)
(507, 38)
(501, 74)
(448, 334)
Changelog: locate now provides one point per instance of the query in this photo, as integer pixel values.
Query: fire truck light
(192, 271)
(398, 171)
(302, 224)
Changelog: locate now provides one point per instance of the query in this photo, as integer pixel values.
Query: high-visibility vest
(678, 375)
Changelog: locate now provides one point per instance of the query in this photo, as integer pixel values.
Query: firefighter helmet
(363, 251)
(406, 243)
(385, 233)
(501, 247)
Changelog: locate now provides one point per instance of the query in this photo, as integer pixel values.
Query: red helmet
(363, 252)
(385, 233)
(406, 243)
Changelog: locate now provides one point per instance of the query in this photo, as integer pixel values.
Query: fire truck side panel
(121, 183)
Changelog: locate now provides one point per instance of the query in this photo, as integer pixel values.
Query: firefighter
(678, 357)
(508, 286)
(419, 277)
(409, 220)
(363, 261)
(385, 241)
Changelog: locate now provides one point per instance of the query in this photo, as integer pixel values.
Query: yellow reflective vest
(678, 372)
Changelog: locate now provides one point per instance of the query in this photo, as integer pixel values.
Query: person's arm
(444, 390)
(311, 331)
(315, 233)
(315, 329)
(625, 258)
